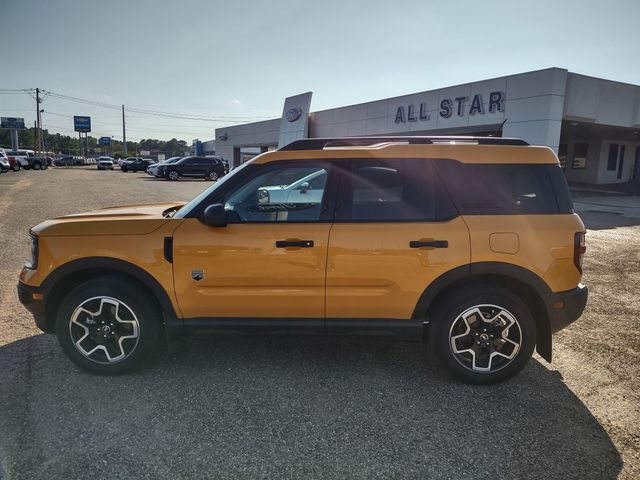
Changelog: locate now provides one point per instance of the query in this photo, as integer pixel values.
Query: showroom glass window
(279, 193)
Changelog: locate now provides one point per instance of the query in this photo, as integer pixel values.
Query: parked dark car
(68, 160)
(209, 168)
(124, 164)
(138, 165)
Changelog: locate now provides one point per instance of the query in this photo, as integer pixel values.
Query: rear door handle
(294, 243)
(429, 244)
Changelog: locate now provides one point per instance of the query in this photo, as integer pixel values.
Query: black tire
(447, 323)
(27, 167)
(124, 169)
(134, 304)
(16, 167)
(172, 175)
(37, 166)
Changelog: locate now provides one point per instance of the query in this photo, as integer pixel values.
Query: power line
(157, 113)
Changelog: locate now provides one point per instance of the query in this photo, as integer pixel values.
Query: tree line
(65, 144)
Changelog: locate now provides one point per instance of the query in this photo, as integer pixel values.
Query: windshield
(186, 209)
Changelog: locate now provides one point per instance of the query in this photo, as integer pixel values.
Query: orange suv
(471, 243)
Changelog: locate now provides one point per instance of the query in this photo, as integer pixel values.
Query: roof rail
(321, 143)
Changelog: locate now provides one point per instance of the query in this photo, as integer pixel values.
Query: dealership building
(593, 124)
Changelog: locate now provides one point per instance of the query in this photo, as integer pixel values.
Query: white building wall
(249, 135)
(611, 176)
(605, 102)
(533, 106)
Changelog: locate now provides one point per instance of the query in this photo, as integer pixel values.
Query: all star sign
(459, 106)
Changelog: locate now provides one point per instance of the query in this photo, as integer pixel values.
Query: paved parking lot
(253, 407)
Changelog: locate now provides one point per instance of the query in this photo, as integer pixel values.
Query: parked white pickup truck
(25, 159)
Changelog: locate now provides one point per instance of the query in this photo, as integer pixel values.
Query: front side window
(282, 193)
(393, 190)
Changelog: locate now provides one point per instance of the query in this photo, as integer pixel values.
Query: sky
(231, 62)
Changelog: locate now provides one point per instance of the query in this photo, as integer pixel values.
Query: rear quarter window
(499, 189)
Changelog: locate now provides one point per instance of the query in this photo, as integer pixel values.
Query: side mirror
(305, 187)
(215, 215)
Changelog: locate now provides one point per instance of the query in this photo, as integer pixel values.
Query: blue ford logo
(293, 114)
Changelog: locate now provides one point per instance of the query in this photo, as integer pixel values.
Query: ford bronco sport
(471, 243)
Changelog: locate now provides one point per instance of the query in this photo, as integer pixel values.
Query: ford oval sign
(293, 114)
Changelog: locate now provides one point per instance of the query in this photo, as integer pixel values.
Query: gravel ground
(283, 407)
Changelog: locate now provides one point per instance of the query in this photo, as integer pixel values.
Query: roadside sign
(97, 150)
(145, 153)
(13, 123)
(81, 124)
(104, 140)
(160, 157)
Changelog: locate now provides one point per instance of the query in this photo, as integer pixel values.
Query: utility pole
(124, 133)
(38, 132)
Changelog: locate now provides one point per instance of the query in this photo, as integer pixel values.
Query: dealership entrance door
(244, 154)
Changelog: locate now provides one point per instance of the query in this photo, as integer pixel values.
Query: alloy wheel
(104, 329)
(213, 176)
(485, 338)
(173, 175)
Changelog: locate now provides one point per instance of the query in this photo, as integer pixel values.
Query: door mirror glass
(215, 216)
(304, 187)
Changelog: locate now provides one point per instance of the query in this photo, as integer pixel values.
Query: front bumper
(566, 307)
(33, 299)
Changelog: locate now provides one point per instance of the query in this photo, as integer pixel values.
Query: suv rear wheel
(16, 167)
(483, 334)
(108, 326)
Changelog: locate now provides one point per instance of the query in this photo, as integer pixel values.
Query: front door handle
(429, 244)
(294, 243)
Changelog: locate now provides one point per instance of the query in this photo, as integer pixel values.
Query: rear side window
(498, 189)
(393, 190)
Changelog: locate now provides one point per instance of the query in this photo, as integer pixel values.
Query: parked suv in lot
(153, 168)
(136, 165)
(470, 242)
(104, 163)
(4, 162)
(209, 168)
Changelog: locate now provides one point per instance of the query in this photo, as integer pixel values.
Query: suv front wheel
(213, 176)
(483, 334)
(108, 326)
(173, 175)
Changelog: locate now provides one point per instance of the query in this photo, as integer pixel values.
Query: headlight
(33, 264)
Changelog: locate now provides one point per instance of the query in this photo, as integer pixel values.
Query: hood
(138, 219)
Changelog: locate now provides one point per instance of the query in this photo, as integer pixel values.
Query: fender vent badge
(197, 275)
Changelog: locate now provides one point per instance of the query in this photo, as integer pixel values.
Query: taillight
(579, 247)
